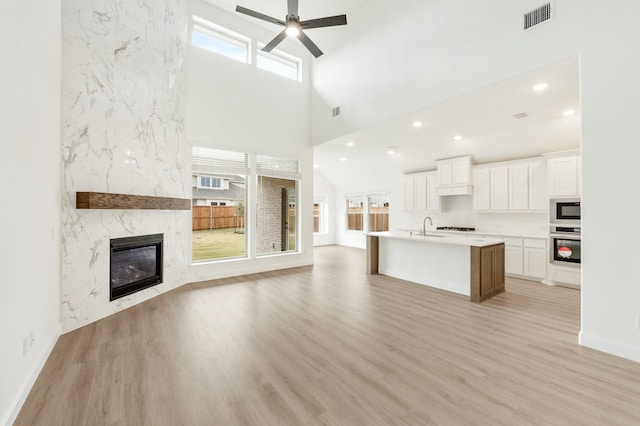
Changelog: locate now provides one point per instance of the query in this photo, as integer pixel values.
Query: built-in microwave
(565, 211)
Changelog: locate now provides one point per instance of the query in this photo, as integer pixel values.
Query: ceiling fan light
(292, 30)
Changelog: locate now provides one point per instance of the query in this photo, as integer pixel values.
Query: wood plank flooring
(330, 345)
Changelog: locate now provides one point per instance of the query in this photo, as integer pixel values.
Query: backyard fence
(378, 219)
(215, 217)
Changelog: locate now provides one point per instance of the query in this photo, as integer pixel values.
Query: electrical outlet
(32, 337)
(25, 347)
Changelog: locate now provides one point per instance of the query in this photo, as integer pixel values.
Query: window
(220, 223)
(210, 182)
(320, 225)
(378, 214)
(218, 227)
(355, 214)
(215, 38)
(279, 63)
(277, 216)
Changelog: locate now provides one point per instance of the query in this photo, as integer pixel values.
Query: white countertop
(476, 232)
(459, 240)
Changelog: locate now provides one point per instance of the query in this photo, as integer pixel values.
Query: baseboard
(26, 388)
(604, 345)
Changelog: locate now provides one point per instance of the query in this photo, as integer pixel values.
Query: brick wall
(269, 222)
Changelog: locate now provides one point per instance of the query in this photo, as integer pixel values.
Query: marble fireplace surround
(123, 132)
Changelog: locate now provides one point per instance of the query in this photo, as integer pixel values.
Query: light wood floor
(329, 345)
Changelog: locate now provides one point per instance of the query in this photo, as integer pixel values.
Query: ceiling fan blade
(258, 15)
(292, 7)
(276, 41)
(315, 51)
(329, 21)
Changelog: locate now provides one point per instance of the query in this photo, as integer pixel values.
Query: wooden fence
(378, 219)
(215, 217)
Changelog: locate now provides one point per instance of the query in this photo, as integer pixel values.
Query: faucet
(424, 225)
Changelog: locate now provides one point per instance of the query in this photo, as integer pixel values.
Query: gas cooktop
(454, 228)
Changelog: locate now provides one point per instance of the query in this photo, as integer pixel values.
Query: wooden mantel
(103, 200)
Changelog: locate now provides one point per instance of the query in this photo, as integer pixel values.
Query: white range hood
(454, 176)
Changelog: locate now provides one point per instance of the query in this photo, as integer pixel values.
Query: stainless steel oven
(566, 244)
(565, 211)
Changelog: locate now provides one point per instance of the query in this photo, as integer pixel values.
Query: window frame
(281, 57)
(361, 200)
(221, 34)
(211, 179)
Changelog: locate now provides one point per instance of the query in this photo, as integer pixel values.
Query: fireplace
(136, 264)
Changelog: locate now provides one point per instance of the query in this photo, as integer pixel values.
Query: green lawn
(217, 244)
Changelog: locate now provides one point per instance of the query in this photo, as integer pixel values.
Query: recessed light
(540, 87)
(350, 144)
(315, 166)
(343, 159)
(457, 138)
(569, 112)
(417, 124)
(391, 150)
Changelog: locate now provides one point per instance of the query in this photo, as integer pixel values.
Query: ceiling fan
(293, 26)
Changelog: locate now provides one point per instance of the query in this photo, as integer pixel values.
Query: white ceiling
(483, 118)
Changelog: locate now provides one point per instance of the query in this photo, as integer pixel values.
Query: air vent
(520, 115)
(537, 16)
(335, 111)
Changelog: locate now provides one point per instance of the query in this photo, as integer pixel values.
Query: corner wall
(123, 112)
(30, 187)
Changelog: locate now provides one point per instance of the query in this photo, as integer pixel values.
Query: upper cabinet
(564, 174)
(510, 187)
(420, 192)
(454, 176)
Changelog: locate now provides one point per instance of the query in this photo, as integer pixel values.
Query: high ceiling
(485, 120)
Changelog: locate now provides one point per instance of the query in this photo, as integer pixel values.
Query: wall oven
(565, 211)
(566, 245)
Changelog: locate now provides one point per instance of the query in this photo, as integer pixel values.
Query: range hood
(454, 176)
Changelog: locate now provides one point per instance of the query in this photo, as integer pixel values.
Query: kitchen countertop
(458, 240)
(476, 232)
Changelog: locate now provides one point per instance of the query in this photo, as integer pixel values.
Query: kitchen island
(470, 266)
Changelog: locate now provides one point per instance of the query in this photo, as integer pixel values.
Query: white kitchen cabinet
(420, 192)
(481, 189)
(499, 188)
(513, 256)
(535, 262)
(454, 176)
(564, 176)
(511, 187)
(409, 193)
(526, 257)
(519, 187)
(433, 199)
(538, 191)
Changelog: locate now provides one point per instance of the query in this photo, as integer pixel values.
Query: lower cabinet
(535, 262)
(487, 271)
(526, 257)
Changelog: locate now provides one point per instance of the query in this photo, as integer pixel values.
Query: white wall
(235, 106)
(440, 49)
(30, 188)
(323, 188)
